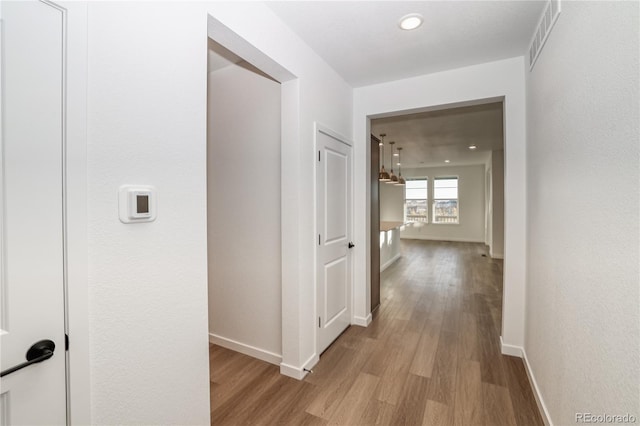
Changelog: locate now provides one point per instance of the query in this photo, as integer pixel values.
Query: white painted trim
(243, 348)
(299, 373)
(389, 262)
(226, 37)
(79, 373)
(454, 239)
(510, 350)
(293, 372)
(362, 322)
(542, 407)
(519, 352)
(496, 255)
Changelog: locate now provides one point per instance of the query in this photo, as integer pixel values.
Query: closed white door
(333, 202)
(32, 217)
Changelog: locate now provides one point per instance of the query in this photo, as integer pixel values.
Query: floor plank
(498, 410)
(356, 400)
(437, 414)
(468, 394)
(431, 356)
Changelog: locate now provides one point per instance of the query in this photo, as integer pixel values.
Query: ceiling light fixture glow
(410, 21)
(472, 147)
(447, 161)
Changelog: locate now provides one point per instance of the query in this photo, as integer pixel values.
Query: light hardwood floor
(431, 356)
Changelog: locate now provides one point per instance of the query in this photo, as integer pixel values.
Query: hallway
(430, 356)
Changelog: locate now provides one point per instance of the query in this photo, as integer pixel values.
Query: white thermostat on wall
(137, 203)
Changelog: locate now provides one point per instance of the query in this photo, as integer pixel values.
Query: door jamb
(75, 183)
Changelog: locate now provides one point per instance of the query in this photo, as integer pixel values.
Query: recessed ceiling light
(396, 154)
(410, 21)
(472, 147)
(447, 161)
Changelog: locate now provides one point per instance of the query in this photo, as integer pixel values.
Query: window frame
(434, 199)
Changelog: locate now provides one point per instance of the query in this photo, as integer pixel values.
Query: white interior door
(31, 217)
(333, 202)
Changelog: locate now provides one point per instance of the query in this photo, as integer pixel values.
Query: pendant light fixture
(383, 175)
(392, 177)
(401, 181)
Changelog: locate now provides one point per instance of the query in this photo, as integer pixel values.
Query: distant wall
(470, 201)
(243, 226)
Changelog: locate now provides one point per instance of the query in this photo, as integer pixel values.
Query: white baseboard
(454, 239)
(299, 373)
(362, 322)
(290, 371)
(496, 255)
(542, 407)
(252, 351)
(518, 351)
(389, 262)
(511, 350)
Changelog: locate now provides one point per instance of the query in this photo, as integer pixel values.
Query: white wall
(470, 205)
(583, 319)
(493, 81)
(497, 201)
(391, 203)
(147, 282)
(243, 227)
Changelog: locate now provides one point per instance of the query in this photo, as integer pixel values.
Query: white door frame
(320, 128)
(75, 182)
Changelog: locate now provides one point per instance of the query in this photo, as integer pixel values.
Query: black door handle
(351, 245)
(38, 352)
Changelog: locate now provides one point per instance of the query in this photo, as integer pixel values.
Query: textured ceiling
(362, 42)
(428, 139)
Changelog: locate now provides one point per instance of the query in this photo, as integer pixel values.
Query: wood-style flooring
(431, 356)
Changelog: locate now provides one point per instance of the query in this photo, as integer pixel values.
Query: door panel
(333, 176)
(335, 289)
(335, 196)
(32, 257)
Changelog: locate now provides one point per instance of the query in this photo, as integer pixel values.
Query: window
(416, 201)
(445, 200)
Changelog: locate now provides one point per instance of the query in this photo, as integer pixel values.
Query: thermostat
(137, 203)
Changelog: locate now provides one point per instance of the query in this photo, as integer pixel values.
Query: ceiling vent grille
(547, 21)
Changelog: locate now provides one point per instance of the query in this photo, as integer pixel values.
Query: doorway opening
(261, 254)
(452, 159)
(243, 208)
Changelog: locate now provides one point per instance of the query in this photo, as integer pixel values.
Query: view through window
(445, 200)
(416, 201)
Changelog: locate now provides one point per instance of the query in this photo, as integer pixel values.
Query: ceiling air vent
(547, 20)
